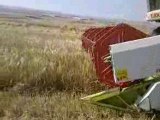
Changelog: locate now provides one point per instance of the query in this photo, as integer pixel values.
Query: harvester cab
(153, 10)
(127, 61)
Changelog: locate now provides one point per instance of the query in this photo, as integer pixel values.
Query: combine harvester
(128, 62)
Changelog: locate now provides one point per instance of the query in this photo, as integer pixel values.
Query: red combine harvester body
(96, 42)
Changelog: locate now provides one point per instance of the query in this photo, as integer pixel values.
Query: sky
(109, 9)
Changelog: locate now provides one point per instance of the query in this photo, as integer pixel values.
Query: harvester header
(126, 61)
(97, 41)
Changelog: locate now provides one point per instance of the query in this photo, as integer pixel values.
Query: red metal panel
(97, 40)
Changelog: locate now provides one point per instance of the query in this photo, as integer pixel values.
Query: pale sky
(123, 9)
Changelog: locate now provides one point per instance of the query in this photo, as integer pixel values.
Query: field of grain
(44, 72)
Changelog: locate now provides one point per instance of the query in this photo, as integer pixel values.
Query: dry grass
(43, 58)
(58, 106)
(44, 71)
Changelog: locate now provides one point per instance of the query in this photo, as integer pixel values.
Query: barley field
(44, 72)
